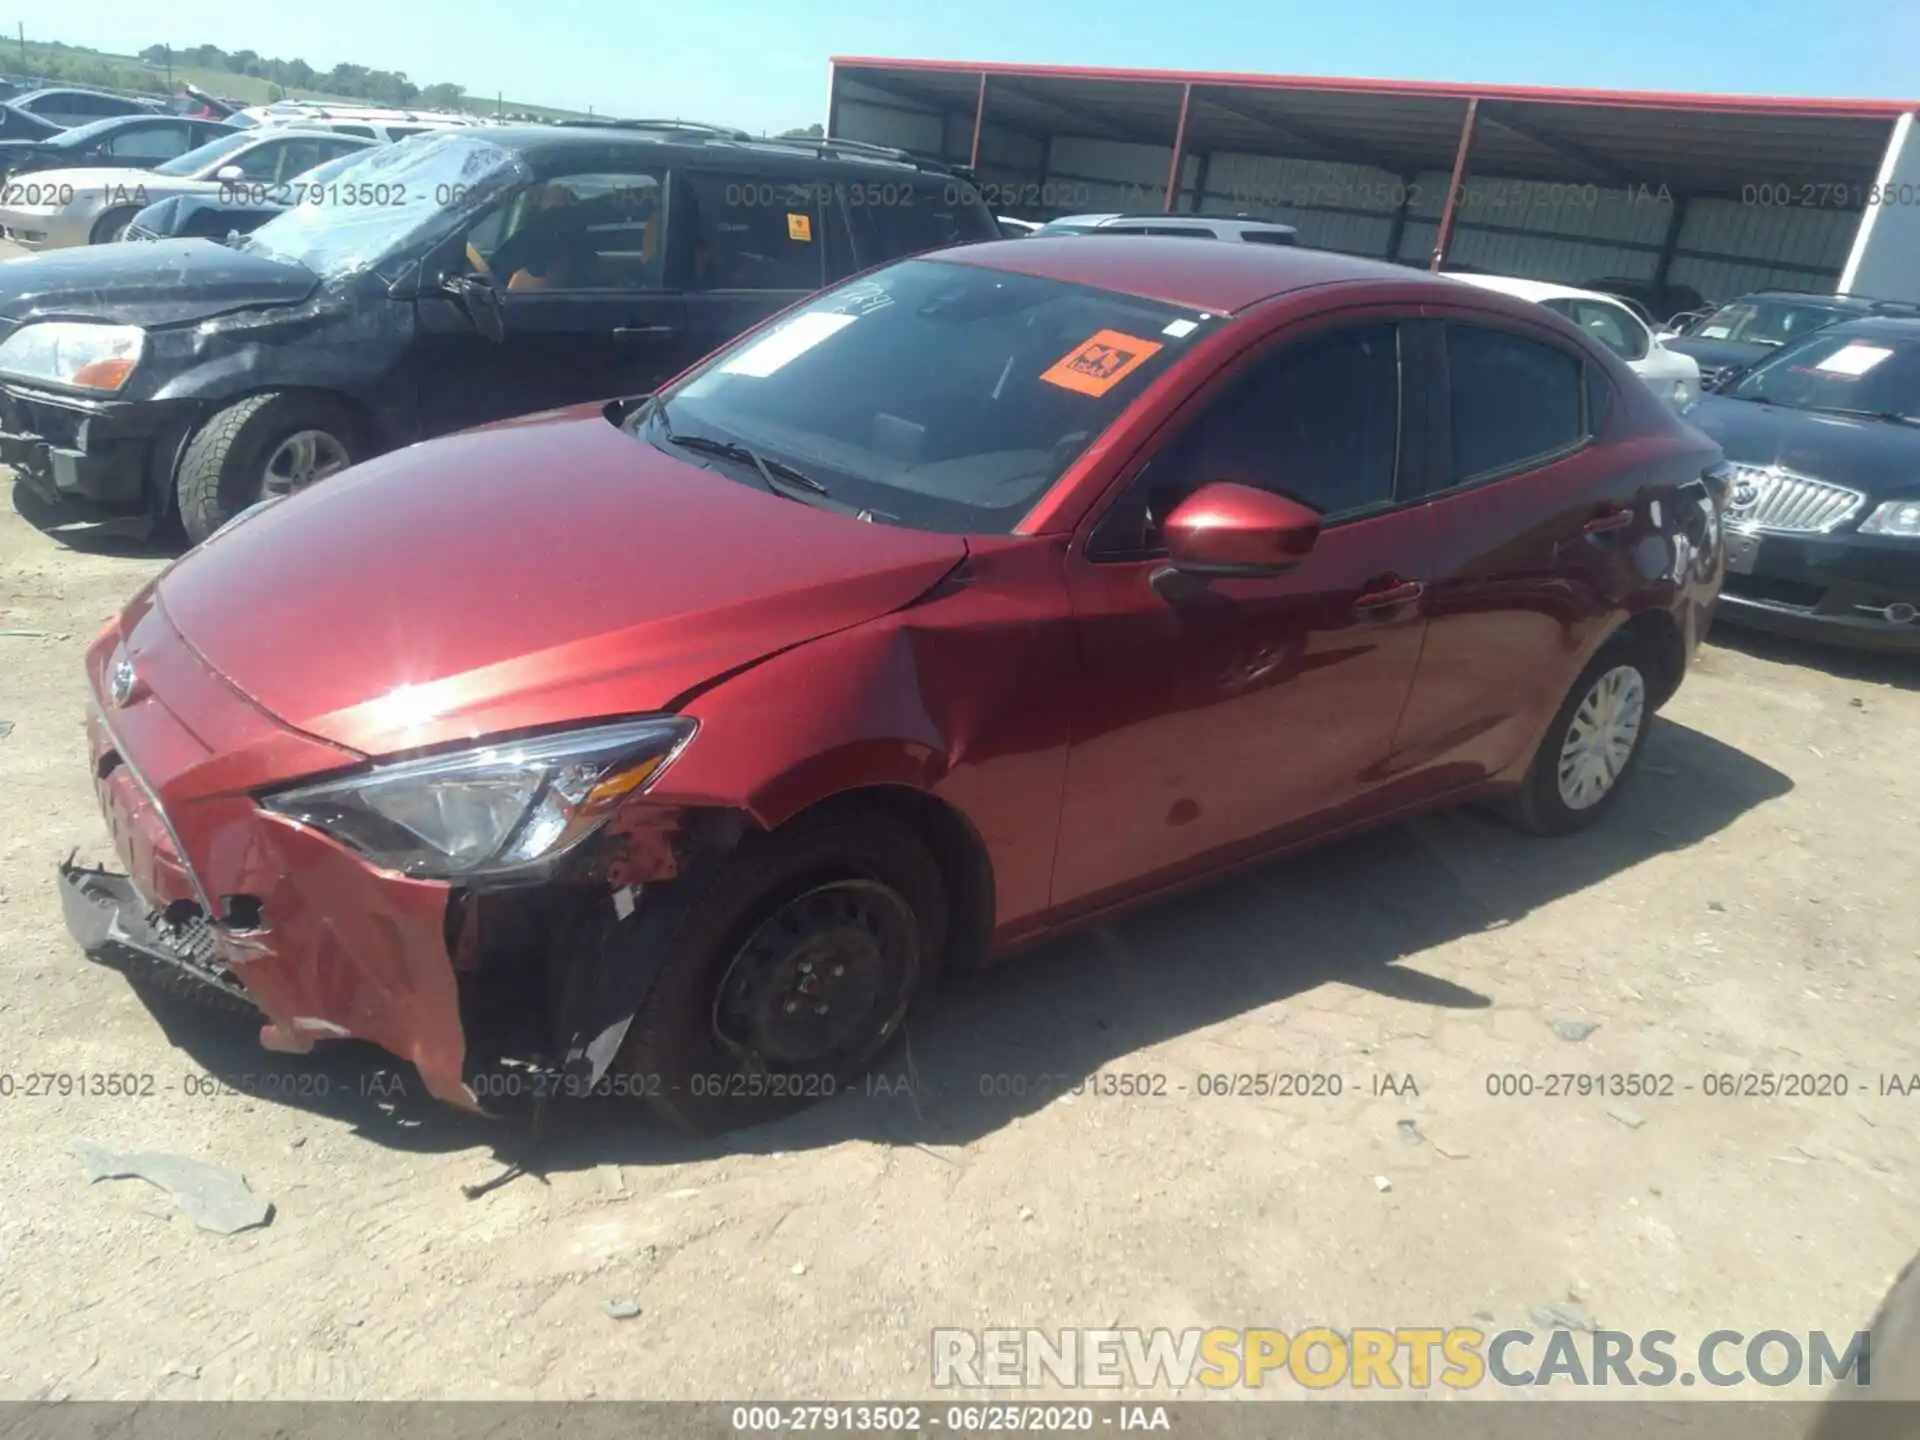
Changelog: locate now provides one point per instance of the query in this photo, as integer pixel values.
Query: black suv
(447, 281)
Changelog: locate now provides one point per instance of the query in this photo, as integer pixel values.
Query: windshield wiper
(781, 478)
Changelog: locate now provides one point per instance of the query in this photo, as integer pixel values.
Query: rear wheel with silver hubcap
(1605, 729)
(1592, 744)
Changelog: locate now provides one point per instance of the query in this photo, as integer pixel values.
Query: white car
(369, 122)
(1672, 376)
(54, 209)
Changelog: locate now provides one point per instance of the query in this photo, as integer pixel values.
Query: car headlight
(506, 806)
(68, 352)
(1896, 517)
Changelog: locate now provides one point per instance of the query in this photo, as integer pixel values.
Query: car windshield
(1847, 373)
(388, 197)
(194, 161)
(934, 395)
(1767, 322)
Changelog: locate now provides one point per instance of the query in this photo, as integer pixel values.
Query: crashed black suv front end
(94, 342)
(94, 458)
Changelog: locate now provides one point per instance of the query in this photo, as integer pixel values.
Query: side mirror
(1224, 529)
(482, 304)
(230, 174)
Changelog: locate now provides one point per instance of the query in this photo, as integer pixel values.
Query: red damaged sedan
(971, 600)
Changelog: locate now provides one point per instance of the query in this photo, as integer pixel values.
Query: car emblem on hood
(1745, 494)
(123, 683)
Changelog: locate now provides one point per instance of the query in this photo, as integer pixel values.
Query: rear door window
(152, 142)
(756, 232)
(1513, 402)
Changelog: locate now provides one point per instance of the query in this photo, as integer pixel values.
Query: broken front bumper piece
(117, 928)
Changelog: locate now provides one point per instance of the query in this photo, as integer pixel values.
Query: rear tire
(847, 909)
(1593, 744)
(252, 448)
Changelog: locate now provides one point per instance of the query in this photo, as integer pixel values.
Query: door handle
(1402, 593)
(628, 332)
(1614, 519)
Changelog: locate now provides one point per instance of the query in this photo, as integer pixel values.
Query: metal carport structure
(1722, 193)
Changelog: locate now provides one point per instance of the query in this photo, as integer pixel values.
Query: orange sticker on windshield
(1101, 363)
(799, 227)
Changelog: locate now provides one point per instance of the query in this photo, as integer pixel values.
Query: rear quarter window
(1513, 402)
(922, 217)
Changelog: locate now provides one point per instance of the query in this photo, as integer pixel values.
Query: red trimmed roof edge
(1423, 89)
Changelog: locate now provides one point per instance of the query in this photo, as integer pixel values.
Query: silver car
(52, 209)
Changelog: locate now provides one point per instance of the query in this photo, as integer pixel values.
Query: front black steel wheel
(795, 966)
(822, 978)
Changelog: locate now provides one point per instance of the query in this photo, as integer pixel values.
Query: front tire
(112, 226)
(790, 972)
(258, 447)
(1592, 745)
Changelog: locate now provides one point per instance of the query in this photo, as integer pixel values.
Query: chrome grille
(1780, 501)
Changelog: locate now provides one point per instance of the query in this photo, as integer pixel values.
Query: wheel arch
(372, 429)
(966, 868)
(1657, 634)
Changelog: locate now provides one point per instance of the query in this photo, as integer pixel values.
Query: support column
(1200, 183)
(1179, 149)
(1445, 235)
(1880, 263)
(1409, 187)
(1675, 224)
(979, 123)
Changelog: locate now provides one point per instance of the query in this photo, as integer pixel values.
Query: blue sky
(762, 64)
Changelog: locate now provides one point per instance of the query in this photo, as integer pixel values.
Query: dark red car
(970, 600)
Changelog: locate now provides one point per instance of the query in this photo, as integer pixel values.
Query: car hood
(548, 570)
(168, 283)
(1875, 456)
(1714, 354)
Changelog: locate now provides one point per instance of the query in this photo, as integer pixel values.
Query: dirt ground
(1749, 906)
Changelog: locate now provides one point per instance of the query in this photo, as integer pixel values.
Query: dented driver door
(1221, 717)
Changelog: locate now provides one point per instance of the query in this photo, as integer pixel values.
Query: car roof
(1893, 327)
(710, 142)
(1178, 217)
(1534, 290)
(71, 90)
(1197, 274)
(1862, 303)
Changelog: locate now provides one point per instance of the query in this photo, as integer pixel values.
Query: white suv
(367, 122)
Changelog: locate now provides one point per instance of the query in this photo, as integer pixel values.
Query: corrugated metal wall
(1570, 233)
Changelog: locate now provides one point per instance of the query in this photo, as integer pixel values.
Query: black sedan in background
(67, 106)
(119, 142)
(17, 124)
(1745, 331)
(1823, 515)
